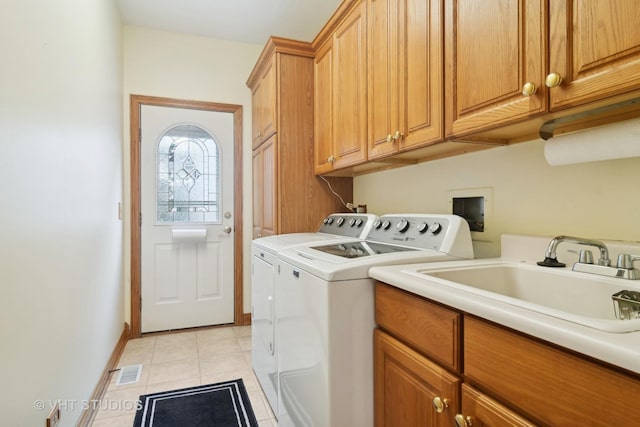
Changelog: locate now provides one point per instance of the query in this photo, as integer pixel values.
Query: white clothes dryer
(264, 253)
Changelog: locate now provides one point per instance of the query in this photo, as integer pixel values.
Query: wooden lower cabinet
(479, 410)
(503, 378)
(406, 385)
(547, 383)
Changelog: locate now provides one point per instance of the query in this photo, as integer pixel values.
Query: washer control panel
(420, 231)
(356, 225)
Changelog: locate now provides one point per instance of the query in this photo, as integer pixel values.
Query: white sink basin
(577, 297)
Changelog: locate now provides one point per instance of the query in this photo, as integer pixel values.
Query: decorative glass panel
(188, 182)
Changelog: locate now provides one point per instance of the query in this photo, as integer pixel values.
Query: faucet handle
(585, 256)
(625, 261)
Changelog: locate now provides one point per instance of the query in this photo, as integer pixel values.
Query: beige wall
(173, 65)
(61, 309)
(598, 200)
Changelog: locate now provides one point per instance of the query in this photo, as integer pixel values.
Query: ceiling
(247, 21)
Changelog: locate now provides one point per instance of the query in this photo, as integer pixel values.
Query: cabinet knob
(553, 80)
(389, 138)
(462, 421)
(440, 404)
(529, 89)
(398, 135)
(331, 159)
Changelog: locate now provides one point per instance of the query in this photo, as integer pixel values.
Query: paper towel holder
(547, 128)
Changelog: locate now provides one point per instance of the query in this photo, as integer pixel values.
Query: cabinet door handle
(462, 421)
(398, 135)
(389, 138)
(440, 404)
(529, 89)
(553, 80)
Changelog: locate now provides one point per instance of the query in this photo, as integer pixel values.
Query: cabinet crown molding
(337, 17)
(279, 45)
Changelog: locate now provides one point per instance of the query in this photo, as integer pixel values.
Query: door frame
(135, 104)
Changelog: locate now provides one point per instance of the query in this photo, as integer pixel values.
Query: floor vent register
(129, 374)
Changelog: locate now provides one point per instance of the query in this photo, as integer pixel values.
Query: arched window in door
(188, 176)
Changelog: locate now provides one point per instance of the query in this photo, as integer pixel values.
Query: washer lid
(360, 249)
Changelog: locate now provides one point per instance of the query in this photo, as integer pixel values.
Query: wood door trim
(135, 104)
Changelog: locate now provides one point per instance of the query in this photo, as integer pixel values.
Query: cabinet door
(265, 191)
(258, 192)
(383, 69)
(270, 187)
(420, 76)
(264, 105)
(492, 48)
(479, 410)
(405, 74)
(323, 115)
(349, 86)
(595, 47)
(406, 385)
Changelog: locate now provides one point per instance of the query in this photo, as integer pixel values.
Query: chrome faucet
(624, 268)
(550, 257)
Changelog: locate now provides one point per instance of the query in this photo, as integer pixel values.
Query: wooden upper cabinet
(501, 57)
(595, 47)
(263, 101)
(350, 89)
(341, 95)
(287, 195)
(405, 62)
(323, 108)
(492, 48)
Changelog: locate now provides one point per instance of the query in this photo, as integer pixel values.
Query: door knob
(227, 229)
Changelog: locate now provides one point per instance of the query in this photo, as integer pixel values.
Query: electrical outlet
(54, 416)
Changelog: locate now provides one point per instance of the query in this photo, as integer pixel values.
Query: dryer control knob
(386, 224)
(377, 224)
(340, 221)
(435, 228)
(359, 223)
(403, 225)
(422, 227)
(352, 222)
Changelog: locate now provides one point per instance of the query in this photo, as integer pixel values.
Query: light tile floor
(183, 359)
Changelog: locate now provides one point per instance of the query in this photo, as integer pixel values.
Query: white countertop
(619, 349)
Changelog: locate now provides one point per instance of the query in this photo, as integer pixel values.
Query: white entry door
(187, 220)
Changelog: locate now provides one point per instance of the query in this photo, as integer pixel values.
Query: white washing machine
(325, 315)
(264, 253)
